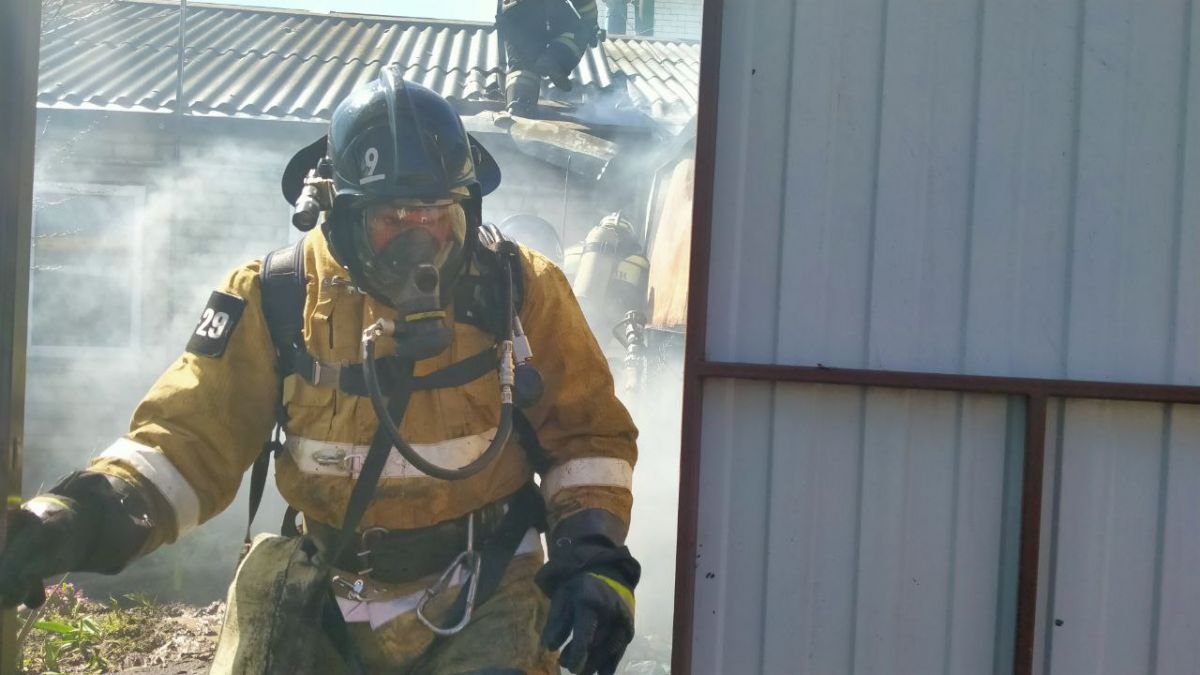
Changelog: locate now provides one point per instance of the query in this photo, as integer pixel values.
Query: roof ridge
(290, 11)
(397, 19)
(293, 64)
(282, 55)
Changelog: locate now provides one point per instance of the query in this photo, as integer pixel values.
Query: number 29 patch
(217, 321)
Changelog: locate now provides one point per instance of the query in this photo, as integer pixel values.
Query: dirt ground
(75, 634)
(135, 635)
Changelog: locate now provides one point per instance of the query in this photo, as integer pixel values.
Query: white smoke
(183, 227)
(218, 208)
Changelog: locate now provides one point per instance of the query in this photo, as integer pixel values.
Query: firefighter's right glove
(47, 536)
(89, 522)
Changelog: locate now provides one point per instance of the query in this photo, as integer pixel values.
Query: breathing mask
(410, 254)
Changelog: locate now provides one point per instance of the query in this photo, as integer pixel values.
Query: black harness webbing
(350, 380)
(361, 495)
(283, 297)
(381, 446)
(526, 510)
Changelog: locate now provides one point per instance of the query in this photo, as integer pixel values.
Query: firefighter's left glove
(89, 522)
(596, 611)
(590, 582)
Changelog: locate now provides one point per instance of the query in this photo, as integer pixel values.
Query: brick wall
(673, 19)
(571, 203)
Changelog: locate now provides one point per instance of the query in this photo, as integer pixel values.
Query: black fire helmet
(394, 139)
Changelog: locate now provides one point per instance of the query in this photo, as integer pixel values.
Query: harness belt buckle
(353, 464)
(339, 459)
(330, 457)
(324, 373)
(364, 544)
(353, 589)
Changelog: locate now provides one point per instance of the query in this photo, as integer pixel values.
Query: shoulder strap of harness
(282, 289)
(283, 292)
(489, 259)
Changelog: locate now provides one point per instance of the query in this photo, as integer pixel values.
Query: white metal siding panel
(1178, 618)
(1120, 554)
(1187, 344)
(744, 277)
(923, 186)
(1127, 193)
(833, 104)
(1102, 589)
(731, 551)
(1023, 177)
(814, 488)
(885, 510)
(991, 187)
(988, 187)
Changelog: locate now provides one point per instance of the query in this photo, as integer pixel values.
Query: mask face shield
(395, 239)
(411, 253)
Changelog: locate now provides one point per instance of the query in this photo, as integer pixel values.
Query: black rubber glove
(48, 536)
(89, 522)
(590, 580)
(597, 612)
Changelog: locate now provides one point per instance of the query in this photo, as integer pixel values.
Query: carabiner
(468, 560)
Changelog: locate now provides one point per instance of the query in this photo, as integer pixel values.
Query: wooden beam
(20, 28)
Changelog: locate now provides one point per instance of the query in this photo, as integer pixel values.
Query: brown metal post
(1031, 533)
(697, 331)
(20, 27)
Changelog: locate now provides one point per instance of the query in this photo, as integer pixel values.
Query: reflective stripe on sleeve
(160, 472)
(40, 504)
(597, 471)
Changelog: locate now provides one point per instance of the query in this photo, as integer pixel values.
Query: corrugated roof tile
(298, 65)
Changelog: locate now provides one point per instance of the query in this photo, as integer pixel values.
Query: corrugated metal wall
(994, 187)
(867, 539)
(989, 187)
(1120, 591)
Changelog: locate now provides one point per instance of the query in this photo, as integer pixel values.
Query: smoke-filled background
(136, 222)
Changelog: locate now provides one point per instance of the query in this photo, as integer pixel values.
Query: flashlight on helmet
(315, 197)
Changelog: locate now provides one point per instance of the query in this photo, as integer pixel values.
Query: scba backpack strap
(282, 288)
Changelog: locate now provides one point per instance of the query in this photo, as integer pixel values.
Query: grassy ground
(75, 634)
(133, 634)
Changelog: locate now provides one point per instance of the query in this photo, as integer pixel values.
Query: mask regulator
(520, 383)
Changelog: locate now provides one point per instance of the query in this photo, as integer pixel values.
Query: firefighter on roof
(423, 345)
(543, 38)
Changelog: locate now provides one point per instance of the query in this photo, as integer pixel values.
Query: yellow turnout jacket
(204, 421)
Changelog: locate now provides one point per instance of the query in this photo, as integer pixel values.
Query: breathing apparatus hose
(504, 429)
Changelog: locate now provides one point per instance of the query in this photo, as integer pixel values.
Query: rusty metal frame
(697, 369)
(20, 22)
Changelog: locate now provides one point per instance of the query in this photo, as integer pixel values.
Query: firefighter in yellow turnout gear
(543, 38)
(401, 242)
